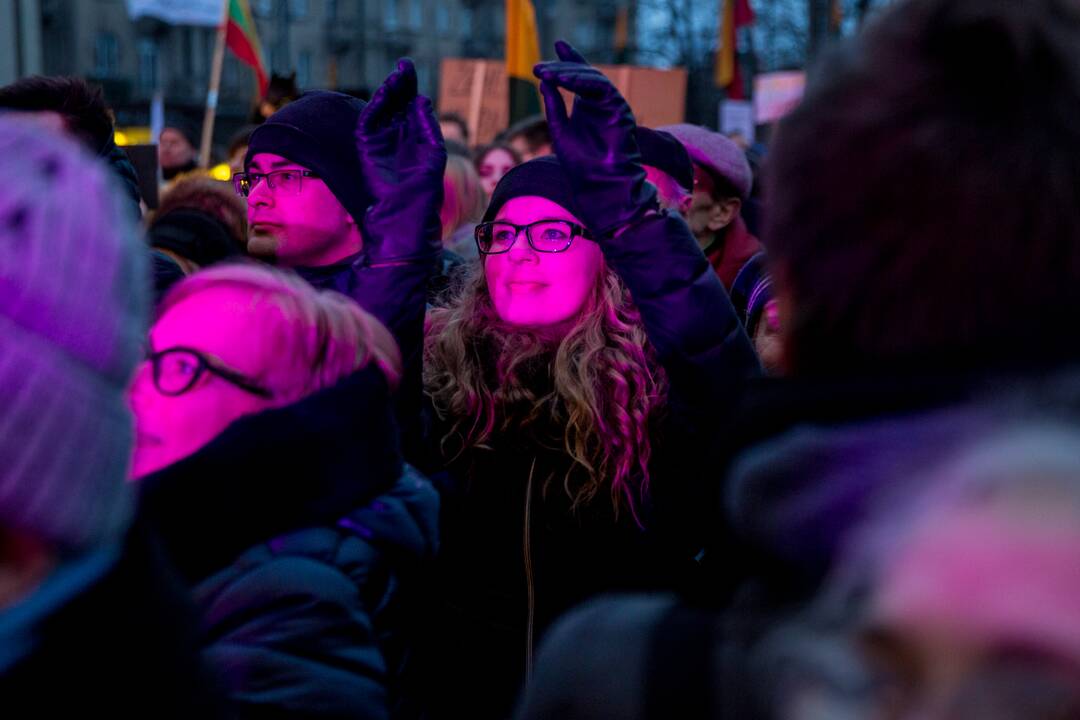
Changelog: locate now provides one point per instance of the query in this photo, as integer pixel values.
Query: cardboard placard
(478, 91)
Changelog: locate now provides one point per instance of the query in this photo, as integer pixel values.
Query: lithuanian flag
(522, 52)
(242, 38)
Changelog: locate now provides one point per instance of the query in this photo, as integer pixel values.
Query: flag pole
(212, 93)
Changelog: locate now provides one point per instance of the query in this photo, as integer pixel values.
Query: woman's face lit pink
(539, 289)
(492, 167)
(228, 326)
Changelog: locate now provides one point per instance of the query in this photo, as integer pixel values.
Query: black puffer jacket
(514, 557)
(318, 621)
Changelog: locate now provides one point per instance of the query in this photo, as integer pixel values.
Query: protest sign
(478, 91)
(777, 94)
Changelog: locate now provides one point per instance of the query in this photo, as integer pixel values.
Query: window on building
(584, 35)
(303, 69)
(262, 8)
(298, 9)
(390, 14)
(416, 14)
(187, 50)
(147, 51)
(423, 79)
(466, 21)
(331, 9)
(106, 55)
(279, 60)
(442, 18)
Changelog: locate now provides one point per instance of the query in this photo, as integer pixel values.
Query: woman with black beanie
(573, 382)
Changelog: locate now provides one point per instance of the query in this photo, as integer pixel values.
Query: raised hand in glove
(402, 157)
(595, 144)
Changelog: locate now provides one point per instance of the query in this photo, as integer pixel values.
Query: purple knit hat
(716, 152)
(74, 291)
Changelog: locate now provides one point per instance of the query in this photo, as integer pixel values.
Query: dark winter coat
(115, 637)
(397, 295)
(315, 622)
(837, 453)
(515, 557)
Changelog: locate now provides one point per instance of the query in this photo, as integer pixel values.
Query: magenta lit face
(540, 289)
(229, 326)
(492, 167)
(309, 229)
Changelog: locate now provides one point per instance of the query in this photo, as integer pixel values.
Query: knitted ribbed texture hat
(542, 176)
(73, 299)
(318, 132)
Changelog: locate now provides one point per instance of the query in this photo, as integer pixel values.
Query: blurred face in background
(979, 617)
(708, 214)
(451, 130)
(538, 289)
(495, 163)
(174, 150)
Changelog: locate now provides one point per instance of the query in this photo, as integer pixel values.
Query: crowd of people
(595, 421)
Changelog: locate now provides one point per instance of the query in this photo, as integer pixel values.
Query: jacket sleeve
(397, 296)
(291, 638)
(687, 315)
(124, 171)
(707, 357)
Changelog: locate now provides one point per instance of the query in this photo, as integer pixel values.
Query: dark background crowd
(595, 421)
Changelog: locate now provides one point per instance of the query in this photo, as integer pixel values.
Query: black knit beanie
(542, 176)
(662, 151)
(317, 131)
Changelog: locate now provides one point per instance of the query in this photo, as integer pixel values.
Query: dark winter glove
(596, 144)
(402, 157)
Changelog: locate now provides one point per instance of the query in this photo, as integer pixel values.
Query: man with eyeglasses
(348, 193)
(722, 181)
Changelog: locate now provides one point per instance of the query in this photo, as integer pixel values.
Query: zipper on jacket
(530, 586)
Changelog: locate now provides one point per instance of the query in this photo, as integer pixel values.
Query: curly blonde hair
(600, 382)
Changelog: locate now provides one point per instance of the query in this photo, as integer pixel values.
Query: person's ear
(723, 212)
(685, 201)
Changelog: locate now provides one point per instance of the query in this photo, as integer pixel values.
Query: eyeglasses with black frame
(544, 236)
(176, 370)
(286, 182)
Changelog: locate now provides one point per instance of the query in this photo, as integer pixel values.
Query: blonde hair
(607, 386)
(464, 200)
(321, 335)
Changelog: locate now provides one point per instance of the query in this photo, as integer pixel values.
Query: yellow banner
(522, 42)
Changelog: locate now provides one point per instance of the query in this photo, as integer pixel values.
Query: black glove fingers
(554, 107)
(391, 98)
(566, 52)
(424, 124)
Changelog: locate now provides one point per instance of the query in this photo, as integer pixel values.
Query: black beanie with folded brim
(542, 177)
(318, 132)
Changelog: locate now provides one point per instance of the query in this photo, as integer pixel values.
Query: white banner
(737, 116)
(208, 13)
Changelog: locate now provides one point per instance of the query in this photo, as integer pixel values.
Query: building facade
(339, 44)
